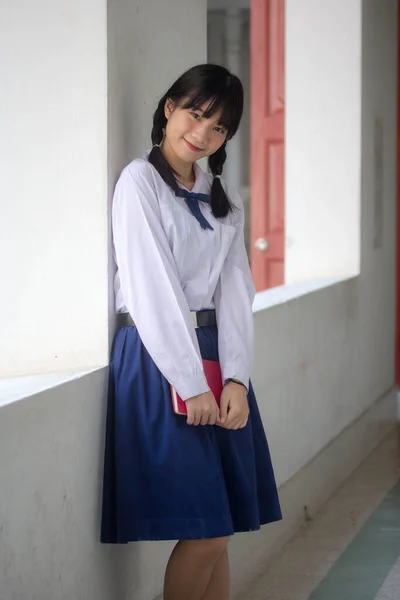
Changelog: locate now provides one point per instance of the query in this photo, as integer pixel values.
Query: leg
(190, 568)
(219, 585)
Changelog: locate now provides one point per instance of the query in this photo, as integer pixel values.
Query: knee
(209, 550)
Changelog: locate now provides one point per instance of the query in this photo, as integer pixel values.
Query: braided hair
(223, 91)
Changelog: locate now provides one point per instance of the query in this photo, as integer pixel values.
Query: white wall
(332, 354)
(51, 444)
(53, 225)
(322, 138)
(50, 475)
(321, 360)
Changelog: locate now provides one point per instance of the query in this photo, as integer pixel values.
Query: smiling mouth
(193, 148)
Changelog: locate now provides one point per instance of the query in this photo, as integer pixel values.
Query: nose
(200, 134)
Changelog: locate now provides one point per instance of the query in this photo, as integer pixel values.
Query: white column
(233, 37)
(52, 202)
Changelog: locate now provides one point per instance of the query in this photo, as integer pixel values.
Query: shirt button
(204, 267)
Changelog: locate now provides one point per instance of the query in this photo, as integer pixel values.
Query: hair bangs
(226, 102)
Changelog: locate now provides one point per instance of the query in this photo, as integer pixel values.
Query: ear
(169, 108)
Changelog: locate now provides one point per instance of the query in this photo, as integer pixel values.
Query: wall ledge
(13, 389)
(284, 294)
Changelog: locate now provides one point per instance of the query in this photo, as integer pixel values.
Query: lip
(192, 148)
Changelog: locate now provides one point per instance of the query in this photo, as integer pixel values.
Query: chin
(185, 154)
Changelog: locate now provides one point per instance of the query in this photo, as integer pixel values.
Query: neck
(184, 171)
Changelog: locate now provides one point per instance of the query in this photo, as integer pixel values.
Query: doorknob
(261, 244)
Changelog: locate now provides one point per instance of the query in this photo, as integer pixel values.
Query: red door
(267, 142)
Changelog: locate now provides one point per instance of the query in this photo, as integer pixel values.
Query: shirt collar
(199, 174)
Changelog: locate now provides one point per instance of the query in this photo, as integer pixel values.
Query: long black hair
(224, 92)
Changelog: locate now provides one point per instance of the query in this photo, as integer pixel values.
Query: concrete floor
(351, 550)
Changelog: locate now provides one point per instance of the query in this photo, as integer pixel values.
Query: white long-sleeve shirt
(167, 266)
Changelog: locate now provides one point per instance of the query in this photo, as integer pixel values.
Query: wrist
(233, 380)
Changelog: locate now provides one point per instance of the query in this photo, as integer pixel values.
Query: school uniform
(164, 479)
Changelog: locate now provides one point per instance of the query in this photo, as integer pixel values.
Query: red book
(212, 371)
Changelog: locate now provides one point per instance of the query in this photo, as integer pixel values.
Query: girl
(184, 293)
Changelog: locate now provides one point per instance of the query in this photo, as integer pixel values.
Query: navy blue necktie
(192, 200)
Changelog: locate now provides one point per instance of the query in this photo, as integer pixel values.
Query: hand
(234, 408)
(202, 410)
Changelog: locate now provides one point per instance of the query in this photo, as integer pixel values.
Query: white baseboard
(304, 494)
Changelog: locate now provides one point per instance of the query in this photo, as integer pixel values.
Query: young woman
(184, 293)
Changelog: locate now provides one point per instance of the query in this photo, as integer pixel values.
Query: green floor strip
(364, 565)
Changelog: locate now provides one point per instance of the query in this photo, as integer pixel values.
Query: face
(190, 135)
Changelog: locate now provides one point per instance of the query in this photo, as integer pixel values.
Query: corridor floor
(351, 549)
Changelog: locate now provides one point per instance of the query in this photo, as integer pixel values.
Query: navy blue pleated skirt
(166, 480)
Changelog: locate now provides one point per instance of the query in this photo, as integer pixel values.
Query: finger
(213, 418)
(196, 419)
(231, 417)
(223, 410)
(190, 417)
(234, 422)
(204, 419)
(237, 423)
(242, 422)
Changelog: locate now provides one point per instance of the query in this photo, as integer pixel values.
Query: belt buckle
(194, 319)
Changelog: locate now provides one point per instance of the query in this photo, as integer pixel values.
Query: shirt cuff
(191, 387)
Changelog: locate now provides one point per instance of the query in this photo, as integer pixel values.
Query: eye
(220, 130)
(196, 116)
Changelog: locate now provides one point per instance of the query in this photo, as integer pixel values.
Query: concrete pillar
(233, 38)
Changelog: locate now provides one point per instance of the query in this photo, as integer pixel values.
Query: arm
(150, 282)
(233, 301)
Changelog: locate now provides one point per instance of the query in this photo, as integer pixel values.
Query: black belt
(202, 318)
